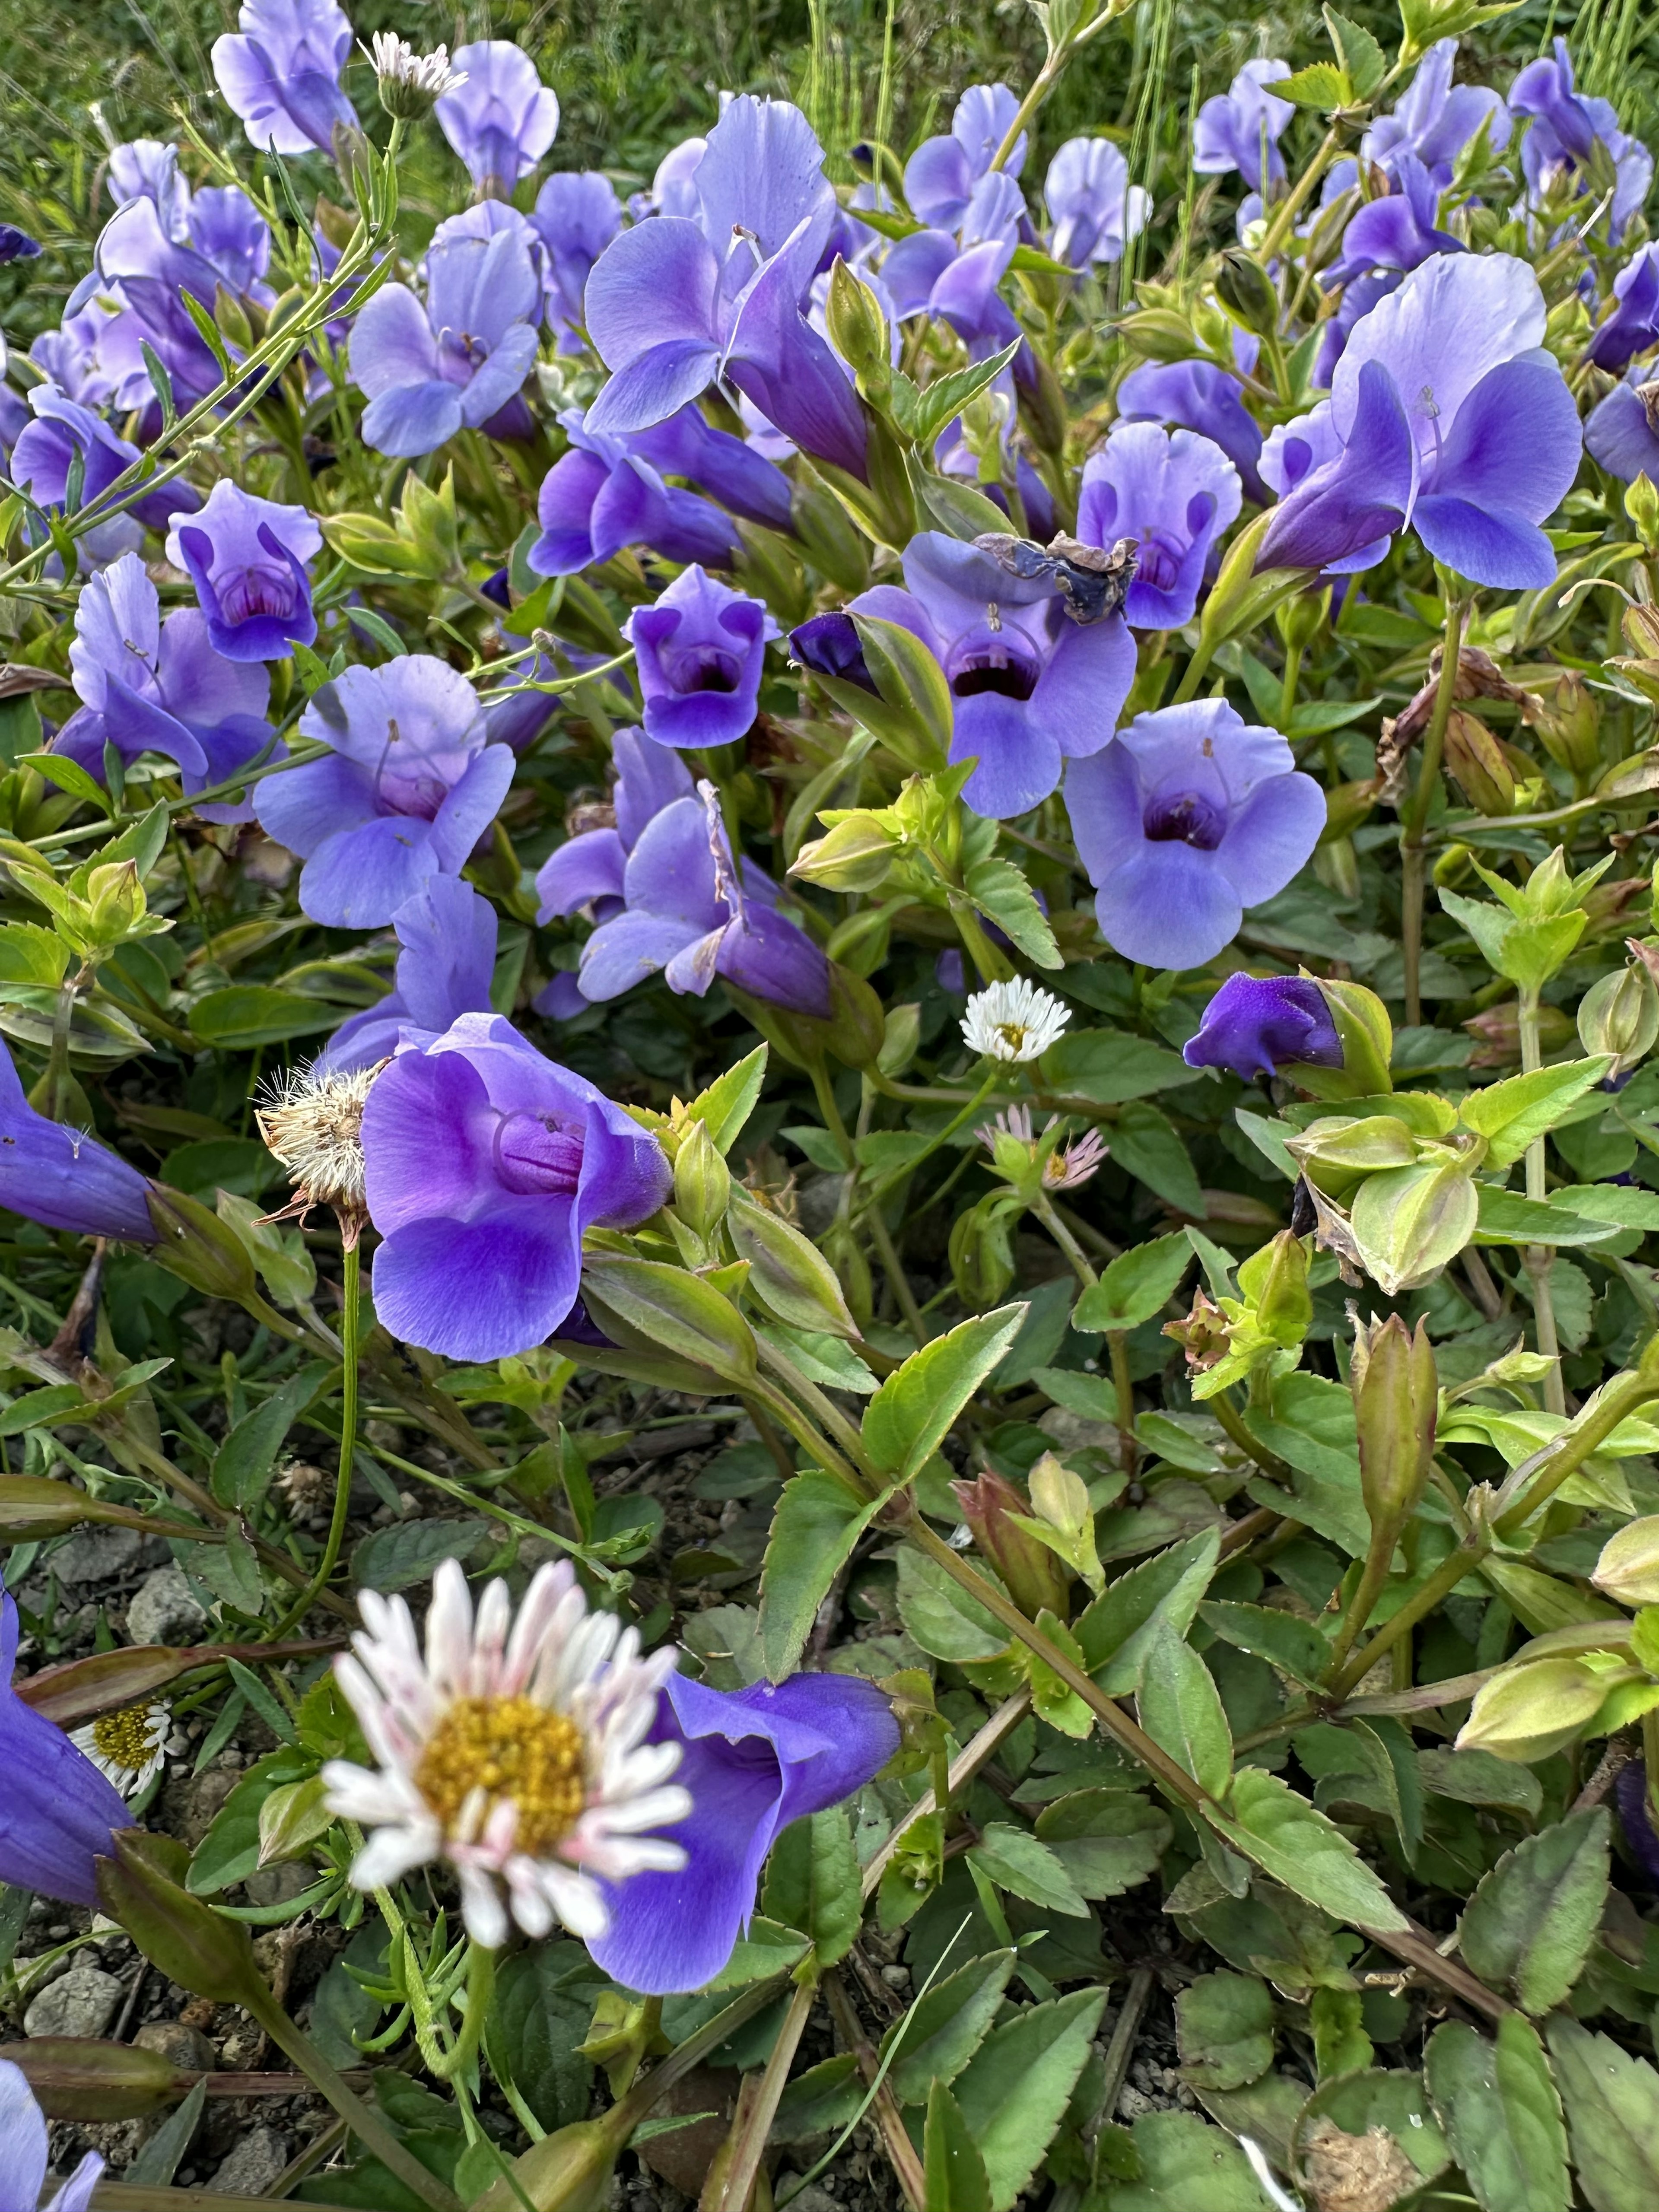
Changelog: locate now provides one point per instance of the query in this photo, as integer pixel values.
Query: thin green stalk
(1049, 75)
(1372, 1577)
(879, 1235)
(1536, 1481)
(1540, 1259)
(351, 1316)
(756, 2124)
(1441, 1583)
(1416, 812)
(1043, 1206)
(1249, 1443)
(1192, 674)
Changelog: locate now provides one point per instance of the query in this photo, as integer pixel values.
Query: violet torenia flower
(25, 2150)
(1633, 325)
(63, 432)
(829, 645)
(1232, 130)
(1630, 1790)
(485, 1164)
(753, 1761)
(434, 368)
(608, 492)
(1452, 419)
(409, 787)
(1202, 397)
(1173, 492)
(148, 275)
(148, 686)
(502, 119)
(1030, 687)
(590, 869)
(700, 652)
(681, 300)
(281, 73)
(246, 558)
(60, 1812)
(1398, 231)
(1565, 127)
(1190, 816)
(1622, 433)
(16, 245)
(940, 175)
(63, 1180)
(1093, 207)
(446, 961)
(1435, 119)
(1255, 1024)
(576, 215)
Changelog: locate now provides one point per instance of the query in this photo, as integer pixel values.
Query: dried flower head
(1013, 1021)
(314, 1124)
(410, 83)
(126, 1747)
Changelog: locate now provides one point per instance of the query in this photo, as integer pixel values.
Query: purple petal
(471, 806)
(1020, 757)
(625, 951)
(476, 1289)
(654, 287)
(585, 867)
(415, 419)
(391, 343)
(769, 956)
(304, 806)
(60, 1811)
(358, 878)
(649, 777)
(654, 383)
(1272, 835)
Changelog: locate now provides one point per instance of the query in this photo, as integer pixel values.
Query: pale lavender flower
(940, 175)
(1173, 492)
(501, 119)
(1234, 130)
(282, 74)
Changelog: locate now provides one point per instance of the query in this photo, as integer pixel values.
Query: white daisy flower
(1013, 1021)
(515, 1748)
(126, 1747)
(410, 83)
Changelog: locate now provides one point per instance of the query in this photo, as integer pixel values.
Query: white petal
(576, 1901)
(482, 1909)
(388, 1854)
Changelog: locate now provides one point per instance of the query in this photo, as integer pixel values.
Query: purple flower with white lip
(679, 300)
(430, 369)
(608, 492)
(1232, 130)
(502, 119)
(1192, 815)
(1565, 127)
(1202, 397)
(410, 785)
(484, 1163)
(1622, 433)
(1093, 207)
(700, 652)
(577, 214)
(1435, 119)
(247, 559)
(1173, 492)
(940, 175)
(753, 1761)
(282, 74)
(689, 909)
(1256, 1024)
(1029, 686)
(446, 964)
(46, 451)
(24, 2144)
(1633, 325)
(1452, 419)
(63, 1180)
(148, 686)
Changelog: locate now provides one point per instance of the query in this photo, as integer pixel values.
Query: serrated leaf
(1611, 2106)
(1322, 84)
(1146, 1145)
(1224, 2029)
(244, 1463)
(817, 1520)
(1510, 1114)
(408, 1551)
(1181, 1710)
(955, 2172)
(1106, 1840)
(1014, 2091)
(1016, 1861)
(941, 1617)
(1286, 1837)
(1296, 1646)
(1185, 2165)
(1501, 2113)
(1118, 1630)
(944, 2029)
(730, 1098)
(812, 1883)
(1358, 53)
(1136, 1285)
(911, 1414)
(1530, 1924)
(940, 402)
(1004, 896)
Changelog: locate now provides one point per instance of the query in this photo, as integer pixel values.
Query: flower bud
(1367, 1039)
(1533, 1709)
(35, 1506)
(202, 1250)
(981, 1257)
(569, 2171)
(1346, 806)
(1042, 409)
(1498, 1032)
(1245, 290)
(858, 329)
(1035, 1578)
(1299, 620)
(115, 902)
(411, 84)
(1396, 1396)
(1620, 1014)
(1570, 728)
(141, 1885)
(857, 854)
(1203, 1336)
(1160, 333)
(787, 1271)
(1275, 1281)
(1474, 757)
(702, 1182)
(1408, 1224)
(902, 1041)
(291, 1819)
(1628, 1569)
(1642, 504)
(76, 2077)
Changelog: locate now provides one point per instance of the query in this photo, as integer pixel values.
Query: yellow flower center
(122, 1738)
(1014, 1035)
(508, 1747)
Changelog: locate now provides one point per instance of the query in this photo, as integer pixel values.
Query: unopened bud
(1621, 1015)
(1035, 1576)
(1407, 1225)
(1367, 1038)
(1160, 334)
(858, 329)
(702, 1182)
(1642, 504)
(1628, 1569)
(1477, 761)
(569, 2171)
(856, 855)
(1396, 1395)
(195, 1245)
(1275, 1281)
(140, 1884)
(1299, 620)
(76, 2077)
(1246, 291)
(981, 1254)
(902, 1041)
(115, 902)
(1203, 1334)
(291, 1819)
(1531, 1710)
(1641, 628)
(1570, 728)
(787, 1271)
(1499, 1033)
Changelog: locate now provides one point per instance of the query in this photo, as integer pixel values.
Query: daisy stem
(350, 1320)
(480, 1988)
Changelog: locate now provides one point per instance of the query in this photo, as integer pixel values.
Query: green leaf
(1501, 2113)
(229, 1853)
(1016, 1861)
(1280, 1638)
(1510, 1115)
(29, 954)
(824, 1360)
(1004, 896)
(911, 1414)
(812, 1883)
(1111, 1067)
(1136, 1285)
(944, 2029)
(1481, 1777)
(730, 1098)
(1106, 1840)
(1224, 2027)
(1181, 1710)
(1015, 2089)
(161, 2156)
(764, 1949)
(1285, 1836)
(248, 1014)
(1186, 2165)
(1358, 53)
(1322, 84)
(408, 1551)
(1119, 1629)
(243, 1465)
(1611, 2105)
(538, 2015)
(68, 775)
(1506, 1217)
(1395, 2101)
(941, 1617)
(1146, 1145)
(922, 415)
(822, 2101)
(1531, 1923)
(817, 1520)
(672, 1309)
(956, 2177)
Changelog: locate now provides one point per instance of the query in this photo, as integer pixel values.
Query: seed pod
(141, 1885)
(1570, 728)
(1396, 1396)
(1620, 1014)
(1531, 1710)
(702, 1182)
(1477, 761)
(1628, 1569)
(1246, 291)
(1035, 1578)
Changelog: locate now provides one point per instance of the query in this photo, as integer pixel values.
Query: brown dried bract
(1357, 2174)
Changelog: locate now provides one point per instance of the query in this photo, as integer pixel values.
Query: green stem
(1417, 812)
(1540, 1259)
(1123, 1383)
(881, 1237)
(1293, 202)
(350, 1315)
(1372, 1577)
(1233, 1423)
(1043, 1206)
(1192, 674)
(756, 2124)
(1440, 1585)
(480, 1988)
(1046, 79)
(993, 965)
(1536, 1481)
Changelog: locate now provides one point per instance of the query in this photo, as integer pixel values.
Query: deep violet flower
(700, 652)
(1435, 119)
(954, 277)
(451, 362)
(1622, 433)
(1202, 396)
(148, 686)
(410, 785)
(246, 558)
(576, 215)
(1173, 492)
(1451, 419)
(1029, 686)
(484, 1164)
(46, 453)
(1093, 207)
(1633, 325)
(1565, 127)
(1231, 130)
(61, 1814)
(446, 964)
(1398, 231)
(940, 175)
(753, 1761)
(63, 1179)
(502, 119)
(281, 75)
(16, 245)
(25, 2149)
(1255, 1024)
(1630, 1790)
(829, 645)
(680, 300)
(1189, 817)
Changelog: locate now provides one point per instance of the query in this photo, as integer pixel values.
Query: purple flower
(690, 910)
(430, 370)
(147, 273)
(148, 686)
(607, 493)
(1630, 1790)
(60, 1812)
(1173, 492)
(1232, 130)
(681, 300)
(502, 119)
(577, 214)
(940, 175)
(63, 1180)
(753, 1761)
(1094, 209)
(1256, 1023)
(1451, 419)
(46, 451)
(701, 651)
(829, 645)
(484, 1164)
(447, 963)
(1622, 433)
(282, 76)
(246, 558)
(1633, 325)
(1435, 119)
(410, 785)
(1190, 816)
(1201, 397)
(1398, 231)
(1030, 687)
(16, 245)
(1566, 126)
(25, 2147)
